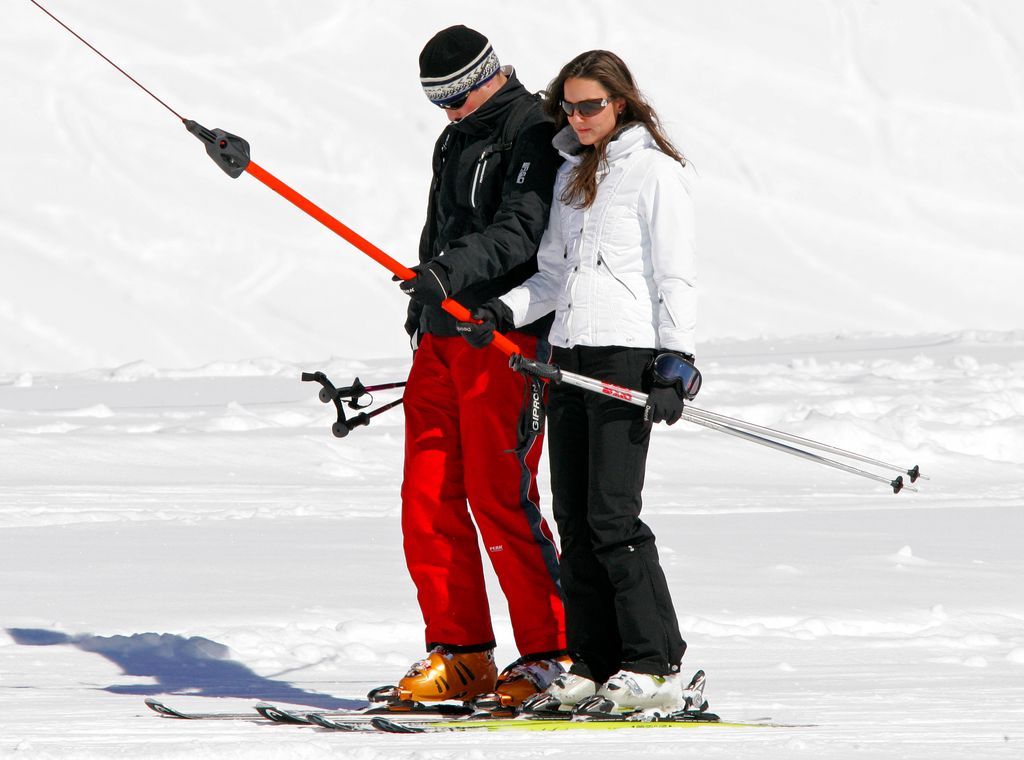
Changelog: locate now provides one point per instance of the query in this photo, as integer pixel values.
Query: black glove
(663, 405)
(430, 286)
(494, 315)
(665, 398)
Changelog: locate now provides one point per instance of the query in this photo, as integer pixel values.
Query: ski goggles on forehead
(672, 370)
(585, 107)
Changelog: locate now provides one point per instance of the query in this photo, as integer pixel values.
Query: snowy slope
(200, 536)
(177, 520)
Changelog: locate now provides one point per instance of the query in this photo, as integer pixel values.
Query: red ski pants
(462, 408)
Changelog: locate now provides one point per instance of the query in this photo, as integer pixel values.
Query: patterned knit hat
(456, 60)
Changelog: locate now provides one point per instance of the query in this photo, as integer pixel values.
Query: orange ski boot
(445, 675)
(525, 677)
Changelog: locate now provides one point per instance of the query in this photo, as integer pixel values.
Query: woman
(617, 266)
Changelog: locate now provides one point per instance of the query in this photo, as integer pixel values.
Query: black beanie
(455, 61)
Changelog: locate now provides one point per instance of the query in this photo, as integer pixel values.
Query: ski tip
(276, 714)
(318, 719)
(161, 709)
(389, 726)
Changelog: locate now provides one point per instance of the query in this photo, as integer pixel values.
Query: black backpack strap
(515, 120)
(520, 110)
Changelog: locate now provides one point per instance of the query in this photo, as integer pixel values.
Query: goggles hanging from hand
(672, 370)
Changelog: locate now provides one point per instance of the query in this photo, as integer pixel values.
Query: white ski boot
(642, 691)
(647, 696)
(566, 691)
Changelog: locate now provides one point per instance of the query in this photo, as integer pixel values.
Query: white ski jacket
(623, 271)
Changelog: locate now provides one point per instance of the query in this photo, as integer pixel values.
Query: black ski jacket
(489, 203)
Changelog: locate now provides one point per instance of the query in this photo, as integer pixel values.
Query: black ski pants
(619, 612)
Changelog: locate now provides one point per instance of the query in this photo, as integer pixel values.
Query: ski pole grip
(359, 419)
(535, 367)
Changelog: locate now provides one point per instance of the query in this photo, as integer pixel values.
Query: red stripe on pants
(462, 408)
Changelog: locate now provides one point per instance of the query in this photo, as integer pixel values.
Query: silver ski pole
(638, 398)
(914, 472)
(897, 484)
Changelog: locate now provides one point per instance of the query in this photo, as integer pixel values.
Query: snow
(176, 519)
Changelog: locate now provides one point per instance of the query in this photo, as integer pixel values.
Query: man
(466, 469)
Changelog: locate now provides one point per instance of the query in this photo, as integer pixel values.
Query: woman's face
(591, 129)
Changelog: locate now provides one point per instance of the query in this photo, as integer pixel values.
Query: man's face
(474, 101)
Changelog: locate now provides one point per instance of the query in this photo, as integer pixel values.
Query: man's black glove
(493, 315)
(430, 286)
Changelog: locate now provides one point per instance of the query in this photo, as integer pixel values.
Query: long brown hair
(610, 72)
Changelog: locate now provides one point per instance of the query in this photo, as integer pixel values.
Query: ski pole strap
(383, 386)
(355, 392)
(531, 418)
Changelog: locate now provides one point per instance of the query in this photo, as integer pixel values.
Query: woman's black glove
(666, 396)
(494, 315)
(663, 405)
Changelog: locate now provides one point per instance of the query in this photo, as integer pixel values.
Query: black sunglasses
(455, 105)
(585, 107)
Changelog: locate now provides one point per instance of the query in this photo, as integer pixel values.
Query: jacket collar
(485, 119)
(629, 140)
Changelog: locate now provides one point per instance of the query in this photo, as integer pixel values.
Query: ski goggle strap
(672, 370)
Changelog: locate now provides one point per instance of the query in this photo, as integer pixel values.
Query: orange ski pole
(450, 305)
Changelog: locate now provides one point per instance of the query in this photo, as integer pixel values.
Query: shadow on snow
(195, 666)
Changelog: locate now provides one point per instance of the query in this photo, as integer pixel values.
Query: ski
(348, 724)
(596, 712)
(278, 715)
(569, 723)
(169, 712)
(263, 712)
(275, 714)
(448, 718)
